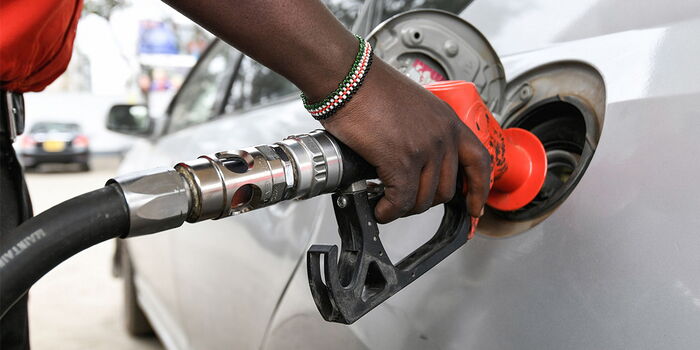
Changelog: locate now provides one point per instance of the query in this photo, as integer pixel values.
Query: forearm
(299, 39)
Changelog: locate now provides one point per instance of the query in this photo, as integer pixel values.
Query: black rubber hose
(44, 241)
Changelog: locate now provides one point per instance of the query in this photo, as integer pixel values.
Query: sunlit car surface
(607, 257)
(55, 142)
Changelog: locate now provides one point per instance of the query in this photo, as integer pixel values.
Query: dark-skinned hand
(415, 141)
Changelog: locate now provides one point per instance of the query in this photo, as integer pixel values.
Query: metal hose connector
(233, 182)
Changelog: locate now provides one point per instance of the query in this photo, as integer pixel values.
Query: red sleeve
(36, 41)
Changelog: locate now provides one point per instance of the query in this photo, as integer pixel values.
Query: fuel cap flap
(433, 45)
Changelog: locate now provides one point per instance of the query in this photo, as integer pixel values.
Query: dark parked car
(55, 142)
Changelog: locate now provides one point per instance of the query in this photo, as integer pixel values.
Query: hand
(415, 141)
(413, 138)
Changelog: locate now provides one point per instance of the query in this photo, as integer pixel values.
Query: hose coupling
(158, 199)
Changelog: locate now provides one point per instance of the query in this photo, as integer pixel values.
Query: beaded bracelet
(347, 88)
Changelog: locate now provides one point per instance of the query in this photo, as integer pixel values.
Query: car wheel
(134, 319)
(85, 166)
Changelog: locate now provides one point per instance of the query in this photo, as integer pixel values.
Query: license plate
(54, 146)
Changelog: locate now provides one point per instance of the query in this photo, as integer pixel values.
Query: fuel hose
(41, 243)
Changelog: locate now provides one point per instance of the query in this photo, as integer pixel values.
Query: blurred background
(125, 51)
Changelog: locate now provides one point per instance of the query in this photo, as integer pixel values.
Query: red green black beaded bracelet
(347, 88)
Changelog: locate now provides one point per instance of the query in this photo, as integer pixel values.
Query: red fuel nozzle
(518, 158)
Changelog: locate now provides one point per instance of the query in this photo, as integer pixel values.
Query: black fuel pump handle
(361, 276)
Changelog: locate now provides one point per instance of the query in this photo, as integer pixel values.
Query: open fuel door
(433, 45)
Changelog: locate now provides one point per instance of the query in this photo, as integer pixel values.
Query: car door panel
(232, 271)
(616, 266)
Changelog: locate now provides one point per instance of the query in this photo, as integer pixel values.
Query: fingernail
(472, 229)
(482, 211)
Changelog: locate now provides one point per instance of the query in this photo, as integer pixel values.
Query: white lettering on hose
(21, 246)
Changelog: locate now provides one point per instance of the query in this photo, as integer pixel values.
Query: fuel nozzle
(307, 165)
(348, 281)
(518, 158)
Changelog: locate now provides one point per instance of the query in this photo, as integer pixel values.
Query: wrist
(326, 67)
(346, 89)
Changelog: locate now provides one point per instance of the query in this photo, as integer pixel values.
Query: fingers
(399, 197)
(448, 178)
(429, 180)
(437, 184)
(476, 162)
(412, 192)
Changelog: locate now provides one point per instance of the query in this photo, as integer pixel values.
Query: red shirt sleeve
(36, 41)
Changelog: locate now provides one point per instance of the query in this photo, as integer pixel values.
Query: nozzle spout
(518, 158)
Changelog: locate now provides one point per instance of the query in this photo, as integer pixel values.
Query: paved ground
(78, 304)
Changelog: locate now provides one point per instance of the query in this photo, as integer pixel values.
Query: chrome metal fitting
(318, 166)
(158, 199)
(234, 182)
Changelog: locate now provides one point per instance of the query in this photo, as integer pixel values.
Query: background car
(55, 142)
(607, 257)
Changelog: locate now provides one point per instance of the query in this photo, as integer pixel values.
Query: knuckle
(405, 205)
(403, 197)
(439, 143)
(422, 207)
(407, 198)
(454, 129)
(456, 126)
(445, 194)
(461, 129)
(484, 159)
(400, 183)
(414, 152)
(406, 162)
(401, 204)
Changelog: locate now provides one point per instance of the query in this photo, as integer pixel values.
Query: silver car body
(615, 266)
